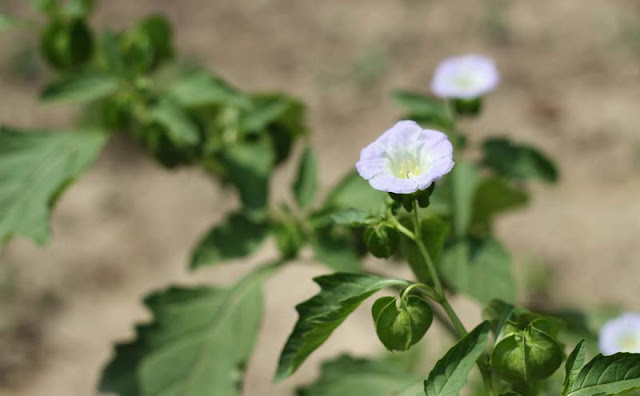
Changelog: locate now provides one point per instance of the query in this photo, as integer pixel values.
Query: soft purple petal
(621, 334)
(392, 184)
(465, 77)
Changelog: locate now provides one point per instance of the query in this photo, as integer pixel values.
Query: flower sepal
(406, 200)
(468, 107)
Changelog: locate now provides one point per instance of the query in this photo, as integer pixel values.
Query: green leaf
(424, 109)
(434, 234)
(479, 268)
(336, 248)
(492, 197)
(306, 183)
(79, 8)
(265, 110)
(463, 181)
(400, 326)
(249, 166)
(518, 161)
(510, 393)
(198, 340)
(573, 365)
(159, 33)
(81, 88)
(200, 88)
(35, 168)
(45, 6)
(318, 317)
(607, 375)
(450, 373)
(236, 237)
(355, 192)
(352, 217)
(350, 376)
(181, 129)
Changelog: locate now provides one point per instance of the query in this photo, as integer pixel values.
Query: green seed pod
(528, 355)
(382, 241)
(401, 326)
(67, 44)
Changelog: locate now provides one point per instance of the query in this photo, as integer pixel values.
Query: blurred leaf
(352, 191)
(109, 53)
(7, 22)
(424, 109)
(236, 237)
(265, 110)
(573, 365)
(335, 249)
(518, 161)
(200, 88)
(319, 316)
(479, 268)
(79, 8)
(463, 181)
(45, 6)
(159, 33)
(249, 166)
(494, 196)
(80, 88)
(607, 375)
(196, 345)
(434, 234)
(450, 373)
(35, 168)
(181, 129)
(350, 376)
(306, 183)
(352, 217)
(287, 127)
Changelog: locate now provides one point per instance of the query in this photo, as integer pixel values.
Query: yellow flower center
(408, 168)
(629, 343)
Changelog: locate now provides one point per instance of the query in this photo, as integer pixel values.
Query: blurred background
(571, 85)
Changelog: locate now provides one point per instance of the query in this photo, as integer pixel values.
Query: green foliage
(67, 44)
(463, 182)
(424, 109)
(200, 88)
(306, 182)
(494, 196)
(573, 365)
(237, 236)
(352, 191)
(318, 317)
(518, 161)
(450, 373)
(80, 88)
(607, 375)
(35, 167)
(434, 233)
(346, 375)
(401, 324)
(335, 248)
(197, 340)
(479, 268)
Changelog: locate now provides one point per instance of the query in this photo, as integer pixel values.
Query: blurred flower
(465, 77)
(621, 334)
(406, 158)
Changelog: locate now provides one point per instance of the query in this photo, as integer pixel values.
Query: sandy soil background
(571, 73)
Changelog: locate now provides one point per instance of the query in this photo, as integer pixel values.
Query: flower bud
(382, 241)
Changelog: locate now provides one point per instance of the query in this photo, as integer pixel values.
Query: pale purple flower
(465, 77)
(406, 158)
(621, 334)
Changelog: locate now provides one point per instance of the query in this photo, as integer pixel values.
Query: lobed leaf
(35, 167)
(318, 317)
(198, 340)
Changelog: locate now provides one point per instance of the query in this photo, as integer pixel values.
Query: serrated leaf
(249, 166)
(181, 129)
(236, 237)
(35, 168)
(351, 376)
(352, 191)
(200, 88)
(318, 317)
(479, 268)
(336, 249)
(306, 182)
(573, 365)
(81, 88)
(518, 161)
(450, 373)
(198, 339)
(607, 375)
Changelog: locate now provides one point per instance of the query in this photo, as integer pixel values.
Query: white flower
(465, 77)
(406, 158)
(621, 334)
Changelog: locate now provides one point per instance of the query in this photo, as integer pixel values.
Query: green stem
(425, 253)
(457, 323)
(401, 228)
